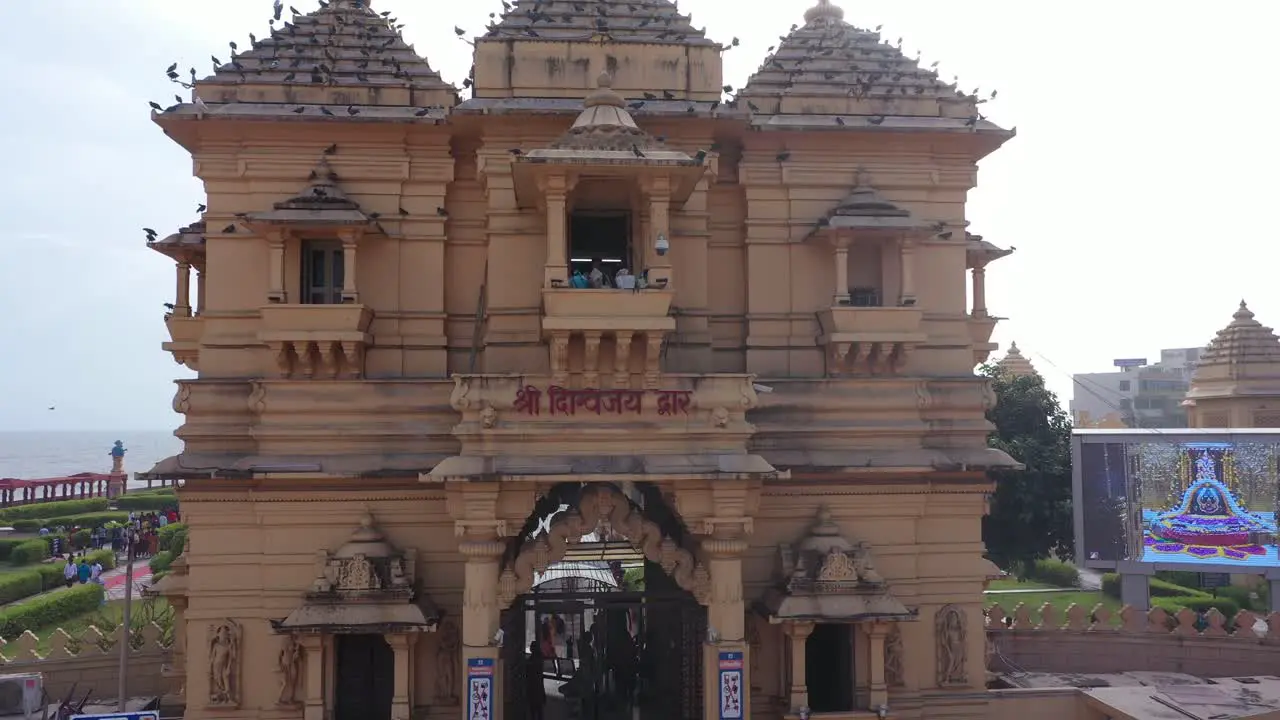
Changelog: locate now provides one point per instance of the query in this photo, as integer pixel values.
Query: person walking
(70, 572)
(535, 687)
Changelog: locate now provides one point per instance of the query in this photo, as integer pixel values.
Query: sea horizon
(33, 454)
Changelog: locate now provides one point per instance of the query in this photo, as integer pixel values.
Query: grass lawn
(1059, 600)
(108, 618)
(1015, 584)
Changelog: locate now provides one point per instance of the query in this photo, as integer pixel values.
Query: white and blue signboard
(147, 715)
(731, 666)
(479, 688)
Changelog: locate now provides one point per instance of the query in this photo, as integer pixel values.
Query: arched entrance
(604, 585)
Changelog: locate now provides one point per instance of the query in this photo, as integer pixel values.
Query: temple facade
(594, 394)
(1237, 380)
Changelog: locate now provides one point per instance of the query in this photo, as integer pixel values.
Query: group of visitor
(80, 570)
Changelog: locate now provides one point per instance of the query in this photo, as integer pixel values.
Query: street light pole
(126, 622)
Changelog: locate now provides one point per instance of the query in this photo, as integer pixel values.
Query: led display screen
(1178, 500)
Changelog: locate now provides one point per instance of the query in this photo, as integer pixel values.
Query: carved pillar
(349, 241)
(659, 266)
(797, 635)
(199, 289)
(980, 291)
(842, 269)
(275, 267)
(177, 666)
(556, 270)
(876, 683)
(622, 359)
(908, 272)
(402, 693)
(314, 682)
(474, 509)
(591, 359)
(182, 300)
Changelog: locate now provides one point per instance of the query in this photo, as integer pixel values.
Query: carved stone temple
(597, 385)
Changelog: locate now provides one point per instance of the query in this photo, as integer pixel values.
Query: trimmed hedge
(16, 586)
(91, 520)
(49, 610)
(161, 561)
(1053, 572)
(147, 501)
(30, 551)
(1197, 603)
(54, 509)
(172, 538)
(8, 544)
(1159, 588)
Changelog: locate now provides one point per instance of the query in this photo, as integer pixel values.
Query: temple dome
(368, 541)
(1014, 363)
(604, 123)
(1244, 348)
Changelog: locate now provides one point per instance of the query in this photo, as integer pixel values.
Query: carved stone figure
(357, 573)
(224, 664)
(893, 658)
(289, 663)
(837, 565)
(447, 661)
(952, 652)
(117, 457)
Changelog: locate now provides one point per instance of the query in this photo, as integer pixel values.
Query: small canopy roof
(865, 209)
(322, 202)
(827, 578)
(979, 252)
(366, 586)
(604, 141)
(183, 245)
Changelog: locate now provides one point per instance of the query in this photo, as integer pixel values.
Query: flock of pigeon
(823, 56)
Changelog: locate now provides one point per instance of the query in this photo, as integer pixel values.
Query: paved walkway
(112, 581)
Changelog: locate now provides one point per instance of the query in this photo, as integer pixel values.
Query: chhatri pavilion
(594, 395)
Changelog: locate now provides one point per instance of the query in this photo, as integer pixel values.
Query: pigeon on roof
(642, 21)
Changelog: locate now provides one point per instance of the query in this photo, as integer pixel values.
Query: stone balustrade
(1099, 640)
(89, 660)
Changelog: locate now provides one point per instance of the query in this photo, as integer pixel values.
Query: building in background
(1137, 394)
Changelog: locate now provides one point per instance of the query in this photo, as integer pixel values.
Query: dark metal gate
(610, 654)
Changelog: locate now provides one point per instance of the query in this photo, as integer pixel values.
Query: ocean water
(30, 455)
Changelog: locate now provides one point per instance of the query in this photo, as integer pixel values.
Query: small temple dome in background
(1015, 363)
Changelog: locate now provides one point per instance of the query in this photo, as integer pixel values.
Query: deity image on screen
(1208, 503)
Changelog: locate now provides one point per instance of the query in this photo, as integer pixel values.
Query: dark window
(864, 297)
(602, 236)
(1124, 386)
(828, 666)
(322, 272)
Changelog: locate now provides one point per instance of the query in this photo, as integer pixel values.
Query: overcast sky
(1135, 191)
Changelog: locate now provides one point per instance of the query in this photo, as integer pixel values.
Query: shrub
(1184, 578)
(1244, 596)
(147, 501)
(80, 539)
(16, 586)
(161, 561)
(1197, 603)
(172, 537)
(1163, 588)
(8, 544)
(31, 551)
(54, 509)
(1053, 572)
(49, 610)
(85, 520)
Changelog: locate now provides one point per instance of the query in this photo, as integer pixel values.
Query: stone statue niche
(827, 563)
(367, 568)
(224, 664)
(952, 637)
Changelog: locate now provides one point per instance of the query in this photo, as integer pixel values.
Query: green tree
(1030, 515)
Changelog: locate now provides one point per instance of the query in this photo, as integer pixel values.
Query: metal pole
(126, 622)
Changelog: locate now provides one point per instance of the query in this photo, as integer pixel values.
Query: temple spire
(824, 10)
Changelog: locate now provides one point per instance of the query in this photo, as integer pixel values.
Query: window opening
(600, 241)
(322, 272)
(829, 667)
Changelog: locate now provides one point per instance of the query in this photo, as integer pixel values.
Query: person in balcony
(596, 278)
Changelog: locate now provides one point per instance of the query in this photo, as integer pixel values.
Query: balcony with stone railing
(184, 339)
(981, 328)
(869, 340)
(317, 341)
(606, 332)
